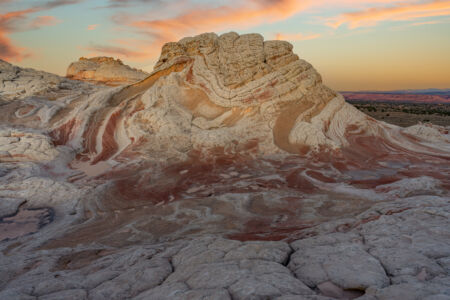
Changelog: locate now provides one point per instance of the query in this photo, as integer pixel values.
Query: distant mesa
(431, 96)
(104, 70)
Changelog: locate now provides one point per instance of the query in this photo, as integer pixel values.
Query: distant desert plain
(404, 108)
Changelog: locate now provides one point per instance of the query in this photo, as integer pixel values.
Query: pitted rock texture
(342, 265)
(237, 60)
(230, 172)
(105, 70)
(19, 83)
(23, 145)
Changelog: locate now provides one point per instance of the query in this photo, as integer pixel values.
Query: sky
(355, 45)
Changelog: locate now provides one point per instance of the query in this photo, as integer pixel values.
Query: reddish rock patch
(25, 221)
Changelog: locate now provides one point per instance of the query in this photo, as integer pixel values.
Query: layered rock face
(230, 172)
(225, 92)
(104, 70)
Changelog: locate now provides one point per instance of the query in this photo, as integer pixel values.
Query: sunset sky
(355, 45)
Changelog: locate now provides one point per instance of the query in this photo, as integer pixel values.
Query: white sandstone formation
(429, 132)
(20, 145)
(105, 70)
(19, 83)
(199, 98)
(230, 172)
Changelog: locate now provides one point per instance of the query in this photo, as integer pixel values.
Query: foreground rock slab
(342, 265)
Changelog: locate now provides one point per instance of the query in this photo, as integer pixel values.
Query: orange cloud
(8, 51)
(403, 11)
(92, 27)
(239, 14)
(295, 37)
(8, 24)
(251, 13)
(116, 51)
(42, 21)
(197, 20)
(16, 21)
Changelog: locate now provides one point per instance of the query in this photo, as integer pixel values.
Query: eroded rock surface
(22, 145)
(349, 264)
(18, 83)
(105, 70)
(230, 172)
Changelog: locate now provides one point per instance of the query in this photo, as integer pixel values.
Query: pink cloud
(251, 13)
(16, 21)
(42, 21)
(9, 22)
(403, 11)
(195, 19)
(9, 51)
(200, 19)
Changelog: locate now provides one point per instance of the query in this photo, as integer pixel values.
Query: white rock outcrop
(25, 145)
(229, 91)
(19, 83)
(105, 70)
(430, 133)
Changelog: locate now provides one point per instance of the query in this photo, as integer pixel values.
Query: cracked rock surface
(340, 265)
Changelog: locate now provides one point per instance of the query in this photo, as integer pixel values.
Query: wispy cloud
(92, 27)
(128, 3)
(56, 3)
(9, 51)
(116, 51)
(20, 20)
(431, 22)
(296, 36)
(243, 14)
(195, 19)
(10, 22)
(42, 21)
(403, 11)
